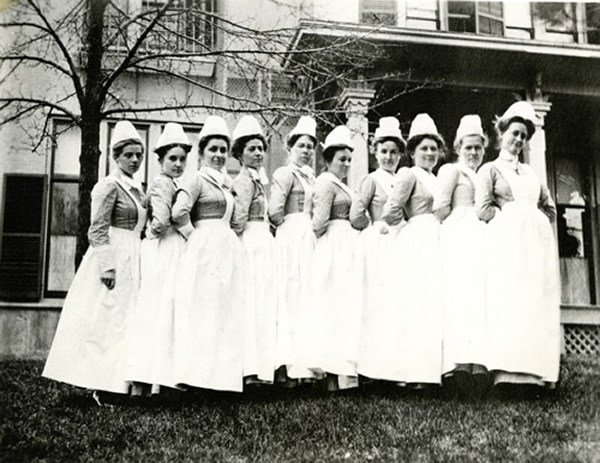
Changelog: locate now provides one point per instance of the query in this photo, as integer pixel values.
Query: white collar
(129, 181)
(305, 170)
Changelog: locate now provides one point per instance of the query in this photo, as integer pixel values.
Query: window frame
(364, 9)
(477, 14)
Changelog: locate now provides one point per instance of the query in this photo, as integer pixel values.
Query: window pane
(68, 147)
(63, 236)
(592, 19)
(461, 16)
(379, 12)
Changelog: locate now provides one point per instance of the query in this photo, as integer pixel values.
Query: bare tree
(83, 52)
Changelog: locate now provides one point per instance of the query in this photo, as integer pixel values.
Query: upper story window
(379, 12)
(476, 17)
(592, 22)
(558, 17)
(188, 26)
(185, 27)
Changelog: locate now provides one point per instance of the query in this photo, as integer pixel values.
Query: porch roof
(469, 59)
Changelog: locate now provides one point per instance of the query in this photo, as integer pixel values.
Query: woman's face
(173, 162)
(215, 153)
(340, 164)
(388, 156)
(426, 154)
(471, 151)
(253, 154)
(302, 151)
(514, 138)
(130, 159)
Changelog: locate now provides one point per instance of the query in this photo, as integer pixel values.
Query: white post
(355, 102)
(536, 155)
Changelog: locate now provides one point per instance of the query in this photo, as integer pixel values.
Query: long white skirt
(151, 335)
(380, 288)
(462, 242)
(295, 242)
(260, 299)
(523, 294)
(209, 309)
(416, 318)
(331, 336)
(89, 348)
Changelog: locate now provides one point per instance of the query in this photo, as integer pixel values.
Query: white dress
(151, 339)
(290, 207)
(89, 348)
(378, 283)
(260, 276)
(416, 313)
(209, 302)
(462, 243)
(523, 290)
(332, 335)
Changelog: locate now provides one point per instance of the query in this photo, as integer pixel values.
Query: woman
(152, 336)
(333, 326)
(416, 315)
(89, 348)
(462, 247)
(523, 292)
(208, 315)
(290, 208)
(376, 240)
(259, 253)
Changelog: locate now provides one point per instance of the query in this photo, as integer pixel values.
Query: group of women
(412, 278)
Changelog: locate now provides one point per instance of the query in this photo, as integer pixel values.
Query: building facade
(442, 57)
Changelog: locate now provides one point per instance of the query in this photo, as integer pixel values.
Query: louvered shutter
(22, 238)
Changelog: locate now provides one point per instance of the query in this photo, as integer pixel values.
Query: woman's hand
(108, 278)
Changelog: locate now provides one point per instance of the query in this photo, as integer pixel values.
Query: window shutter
(22, 238)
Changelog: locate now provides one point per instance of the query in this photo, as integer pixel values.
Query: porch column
(536, 156)
(355, 102)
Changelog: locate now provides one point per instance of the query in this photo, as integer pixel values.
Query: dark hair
(237, 149)
(329, 152)
(163, 150)
(502, 125)
(401, 144)
(119, 147)
(204, 141)
(291, 140)
(415, 141)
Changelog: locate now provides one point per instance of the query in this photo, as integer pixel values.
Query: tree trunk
(88, 176)
(91, 116)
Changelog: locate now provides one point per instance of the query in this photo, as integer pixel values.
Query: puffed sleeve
(185, 198)
(161, 195)
(243, 189)
(546, 205)
(447, 179)
(283, 180)
(324, 194)
(104, 197)
(360, 204)
(485, 205)
(404, 184)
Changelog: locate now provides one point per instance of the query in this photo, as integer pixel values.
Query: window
(574, 231)
(484, 18)
(558, 17)
(64, 201)
(22, 238)
(188, 26)
(379, 12)
(592, 22)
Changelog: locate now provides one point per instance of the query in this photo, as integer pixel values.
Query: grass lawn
(44, 420)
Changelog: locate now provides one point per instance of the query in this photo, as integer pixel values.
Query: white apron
(209, 340)
(523, 286)
(462, 243)
(295, 241)
(89, 348)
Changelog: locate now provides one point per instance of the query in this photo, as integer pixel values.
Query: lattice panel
(582, 339)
